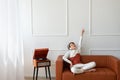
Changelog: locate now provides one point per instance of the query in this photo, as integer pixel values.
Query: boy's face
(72, 46)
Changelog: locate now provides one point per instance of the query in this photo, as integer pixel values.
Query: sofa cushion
(100, 74)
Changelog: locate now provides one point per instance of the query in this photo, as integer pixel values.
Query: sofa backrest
(101, 60)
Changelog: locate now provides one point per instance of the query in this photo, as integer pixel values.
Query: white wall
(99, 18)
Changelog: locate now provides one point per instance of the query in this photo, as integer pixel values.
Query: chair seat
(41, 63)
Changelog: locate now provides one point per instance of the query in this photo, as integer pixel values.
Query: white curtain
(11, 53)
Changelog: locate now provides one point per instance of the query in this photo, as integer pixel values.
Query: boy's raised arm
(80, 40)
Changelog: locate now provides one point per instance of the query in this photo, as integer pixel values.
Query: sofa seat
(99, 74)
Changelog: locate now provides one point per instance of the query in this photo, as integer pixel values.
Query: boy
(72, 56)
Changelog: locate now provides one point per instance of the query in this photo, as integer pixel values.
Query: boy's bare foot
(74, 74)
(91, 70)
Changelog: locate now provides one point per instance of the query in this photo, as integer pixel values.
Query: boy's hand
(71, 65)
(82, 32)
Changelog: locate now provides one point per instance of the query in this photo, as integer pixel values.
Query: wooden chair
(40, 60)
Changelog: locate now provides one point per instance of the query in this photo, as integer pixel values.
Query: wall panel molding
(49, 17)
(105, 51)
(104, 19)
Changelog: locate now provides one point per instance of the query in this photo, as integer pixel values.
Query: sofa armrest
(114, 64)
(59, 67)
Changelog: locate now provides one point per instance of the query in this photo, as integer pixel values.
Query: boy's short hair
(69, 45)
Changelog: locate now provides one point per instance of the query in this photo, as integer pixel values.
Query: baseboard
(26, 77)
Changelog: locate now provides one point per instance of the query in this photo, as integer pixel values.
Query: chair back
(40, 53)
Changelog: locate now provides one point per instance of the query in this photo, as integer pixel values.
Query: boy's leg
(78, 65)
(89, 65)
(75, 70)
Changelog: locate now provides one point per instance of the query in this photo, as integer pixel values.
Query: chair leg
(37, 73)
(34, 73)
(46, 72)
(49, 72)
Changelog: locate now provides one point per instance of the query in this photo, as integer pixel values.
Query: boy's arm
(80, 40)
(65, 58)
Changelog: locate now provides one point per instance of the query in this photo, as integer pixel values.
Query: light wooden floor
(30, 78)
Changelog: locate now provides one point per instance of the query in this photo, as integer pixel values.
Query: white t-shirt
(72, 53)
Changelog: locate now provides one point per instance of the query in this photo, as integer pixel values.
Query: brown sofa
(107, 68)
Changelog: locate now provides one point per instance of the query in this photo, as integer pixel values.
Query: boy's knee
(76, 71)
(93, 64)
(73, 70)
